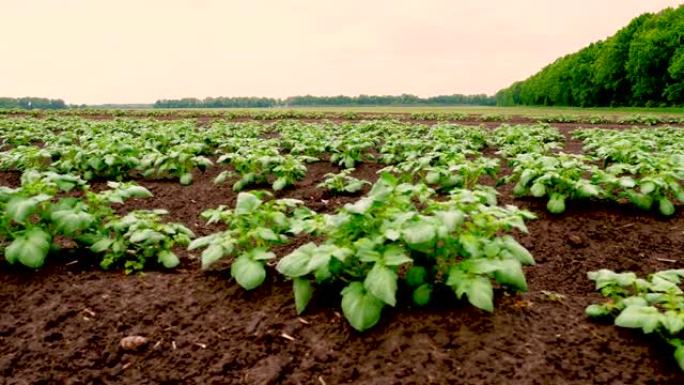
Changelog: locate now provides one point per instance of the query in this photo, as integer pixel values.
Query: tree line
(641, 65)
(341, 100)
(29, 103)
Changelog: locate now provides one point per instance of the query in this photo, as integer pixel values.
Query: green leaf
(102, 245)
(480, 293)
(296, 264)
(220, 178)
(641, 201)
(526, 176)
(29, 249)
(360, 206)
(279, 184)
(519, 189)
(348, 162)
(673, 322)
(432, 177)
(647, 187)
(597, 311)
(471, 244)
(451, 219)
(186, 179)
(679, 356)
(168, 259)
(538, 190)
(556, 204)
(666, 207)
(416, 275)
(510, 274)
(587, 190)
(359, 307)
(261, 254)
(246, 203)
(20, 208)
(680, 195)
(70, 221)
(211, 255)
(422, 294)
(480, 266)
(146, 235)
(138, 192)
(320, 259)
(645, 317)
(303, 291)
(627, 182)
(248, 273)
(492, 248)
(395, 256)
(381, 281)
(419, 233)
(267, 234)
(517, 250)
(392, 234)
(201, 242)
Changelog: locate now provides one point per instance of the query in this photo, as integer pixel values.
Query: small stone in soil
(132, 343)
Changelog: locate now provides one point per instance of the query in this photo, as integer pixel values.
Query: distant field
(623, 115)
(483, 110)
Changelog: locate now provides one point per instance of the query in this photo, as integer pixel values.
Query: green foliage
(252, 228)
(642, 166)
(308, 100)
(559, 177)
(30, 103)
(351, 150)
(108, 149)
(342, 182)
(655, 305)
(523, 139)
(457, 243)
(140, 237)
(641, 65)
(36, 214)
(178, 162)
(260, 167)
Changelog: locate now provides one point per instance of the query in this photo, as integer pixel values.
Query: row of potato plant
(49, 208)
(644, 167)
(398, 234)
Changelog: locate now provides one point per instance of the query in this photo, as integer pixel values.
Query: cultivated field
(329, 247)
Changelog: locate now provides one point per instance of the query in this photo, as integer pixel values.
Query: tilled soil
(63, 324)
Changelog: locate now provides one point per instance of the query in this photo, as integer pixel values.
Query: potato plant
(178, 162)
(457, 243)
(257, 169)
(25, 157)
(343, 182)
(642, 166)
(525, 139)
(559, 177)
(112, 149)
(140, 237)
(644, 187)
(252, 228)
(632, 146)
(35, 214)
(655, 304)
(350, 151)
(444, 170)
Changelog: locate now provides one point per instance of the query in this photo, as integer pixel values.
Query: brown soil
(63, 324)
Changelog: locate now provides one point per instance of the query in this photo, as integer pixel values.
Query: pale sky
(107, 51)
